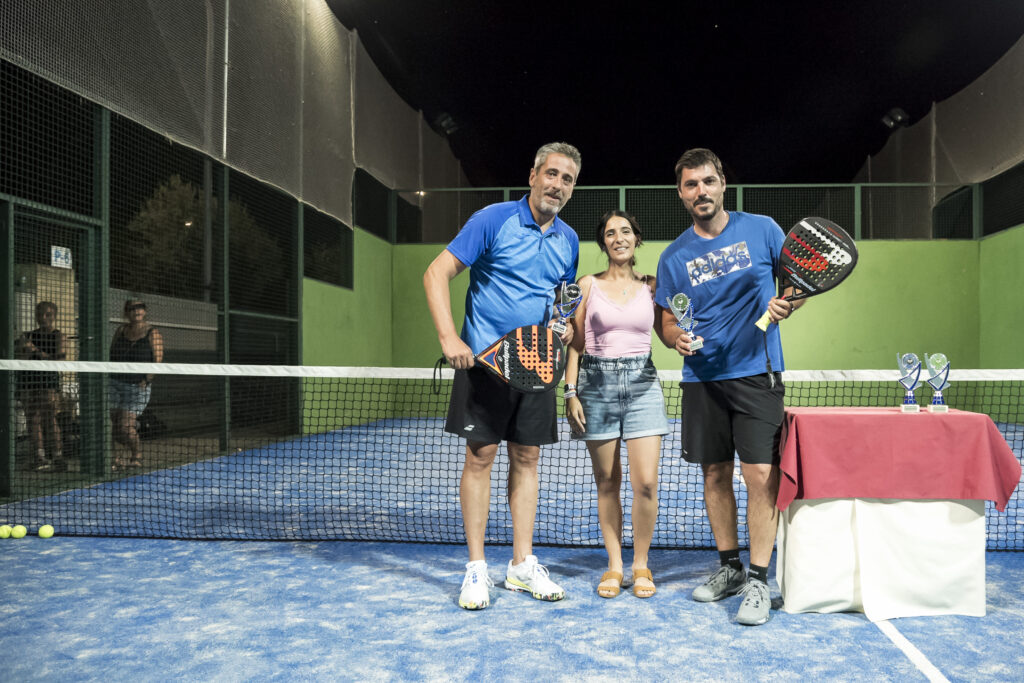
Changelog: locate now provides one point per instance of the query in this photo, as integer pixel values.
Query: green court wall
(415, 343)
(1001, 300)
(961, 298)
(342, 326)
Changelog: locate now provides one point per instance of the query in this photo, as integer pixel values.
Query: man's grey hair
(563, 148)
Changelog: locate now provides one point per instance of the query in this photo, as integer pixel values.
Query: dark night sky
(784, 92)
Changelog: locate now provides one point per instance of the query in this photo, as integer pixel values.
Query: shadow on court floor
(117, 609)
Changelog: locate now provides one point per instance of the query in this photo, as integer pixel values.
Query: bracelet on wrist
(569, 393)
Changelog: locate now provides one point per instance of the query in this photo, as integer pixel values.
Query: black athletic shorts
(486, 410)
(724, 417)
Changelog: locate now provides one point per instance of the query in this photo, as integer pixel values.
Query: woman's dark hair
(633, 224)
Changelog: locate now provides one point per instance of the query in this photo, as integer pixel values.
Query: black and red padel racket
(816, 256)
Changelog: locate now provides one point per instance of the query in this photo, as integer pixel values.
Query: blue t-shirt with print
(514, 269)
(730, 279)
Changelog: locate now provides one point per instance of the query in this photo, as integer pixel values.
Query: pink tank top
(615, 330)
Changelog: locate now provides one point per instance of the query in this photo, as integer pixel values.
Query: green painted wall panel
(920, 296)
(898, 299)
(1000, 299)
(415, 342)
(351, 327)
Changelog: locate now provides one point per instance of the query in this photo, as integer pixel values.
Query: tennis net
(316, 453)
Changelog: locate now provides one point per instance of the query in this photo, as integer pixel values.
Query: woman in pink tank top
(613, 395)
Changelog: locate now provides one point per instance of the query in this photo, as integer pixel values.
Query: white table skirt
(886, 558)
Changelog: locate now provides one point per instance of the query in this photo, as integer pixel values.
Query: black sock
(759, 573)
(730, 558)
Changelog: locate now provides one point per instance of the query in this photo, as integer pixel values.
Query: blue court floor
(86, 609)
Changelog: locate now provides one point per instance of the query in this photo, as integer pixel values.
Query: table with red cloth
(883, 511)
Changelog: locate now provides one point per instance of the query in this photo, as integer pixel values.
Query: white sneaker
(474, 593)
(530, 577)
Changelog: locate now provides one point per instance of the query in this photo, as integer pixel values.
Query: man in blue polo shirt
(517, 253)
(732, 387)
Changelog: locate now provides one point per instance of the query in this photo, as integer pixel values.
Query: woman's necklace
(628, 286)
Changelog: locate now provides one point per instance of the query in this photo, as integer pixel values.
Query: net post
(94, 311)
(977, 216)
(393, 216)
(225, 321)
(7, 344)
(858, 217)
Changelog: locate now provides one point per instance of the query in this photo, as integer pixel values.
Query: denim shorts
(621, 398)
(130, 398)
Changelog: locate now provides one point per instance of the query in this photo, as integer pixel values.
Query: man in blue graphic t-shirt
(517, 254)
(732, 387)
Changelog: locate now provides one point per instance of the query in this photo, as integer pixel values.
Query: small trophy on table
(910, 375)
(938, 368)
(682, 307)
(569, 297)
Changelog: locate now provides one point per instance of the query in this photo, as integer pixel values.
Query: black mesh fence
(48, 139)
(1003, 201)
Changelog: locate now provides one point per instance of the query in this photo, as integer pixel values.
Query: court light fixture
(446, 123)
(895, 118)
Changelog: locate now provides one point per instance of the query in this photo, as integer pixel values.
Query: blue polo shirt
(730, 279)
(513, 269)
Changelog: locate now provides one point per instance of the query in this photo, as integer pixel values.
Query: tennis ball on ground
(45, 531)
(5, 531)
(18, 531)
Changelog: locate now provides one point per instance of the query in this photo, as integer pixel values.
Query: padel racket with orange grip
(530, 358)
(816, 256)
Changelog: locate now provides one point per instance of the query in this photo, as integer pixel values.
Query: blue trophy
(569, 297)
(682, 307)
(938, 369)
(910, 375)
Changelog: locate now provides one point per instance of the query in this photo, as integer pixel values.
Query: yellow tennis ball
(18, 531)
(5, 531)
(45, 531)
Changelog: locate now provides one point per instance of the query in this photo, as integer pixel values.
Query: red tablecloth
(884, 453)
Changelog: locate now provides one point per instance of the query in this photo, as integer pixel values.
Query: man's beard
(696, 214)
(551, 205)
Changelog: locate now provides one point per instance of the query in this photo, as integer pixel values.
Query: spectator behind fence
(39, 392)
(134, 342)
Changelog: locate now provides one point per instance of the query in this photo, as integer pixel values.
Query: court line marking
(912, 653)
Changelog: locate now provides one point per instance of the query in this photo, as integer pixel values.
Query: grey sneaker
(756, 604)
(723, 583)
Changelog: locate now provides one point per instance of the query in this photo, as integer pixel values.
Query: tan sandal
(610, 591)
(643, 574)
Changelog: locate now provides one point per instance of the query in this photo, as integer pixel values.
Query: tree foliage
(163, 249)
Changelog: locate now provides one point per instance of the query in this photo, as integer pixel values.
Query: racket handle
(763, 322)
